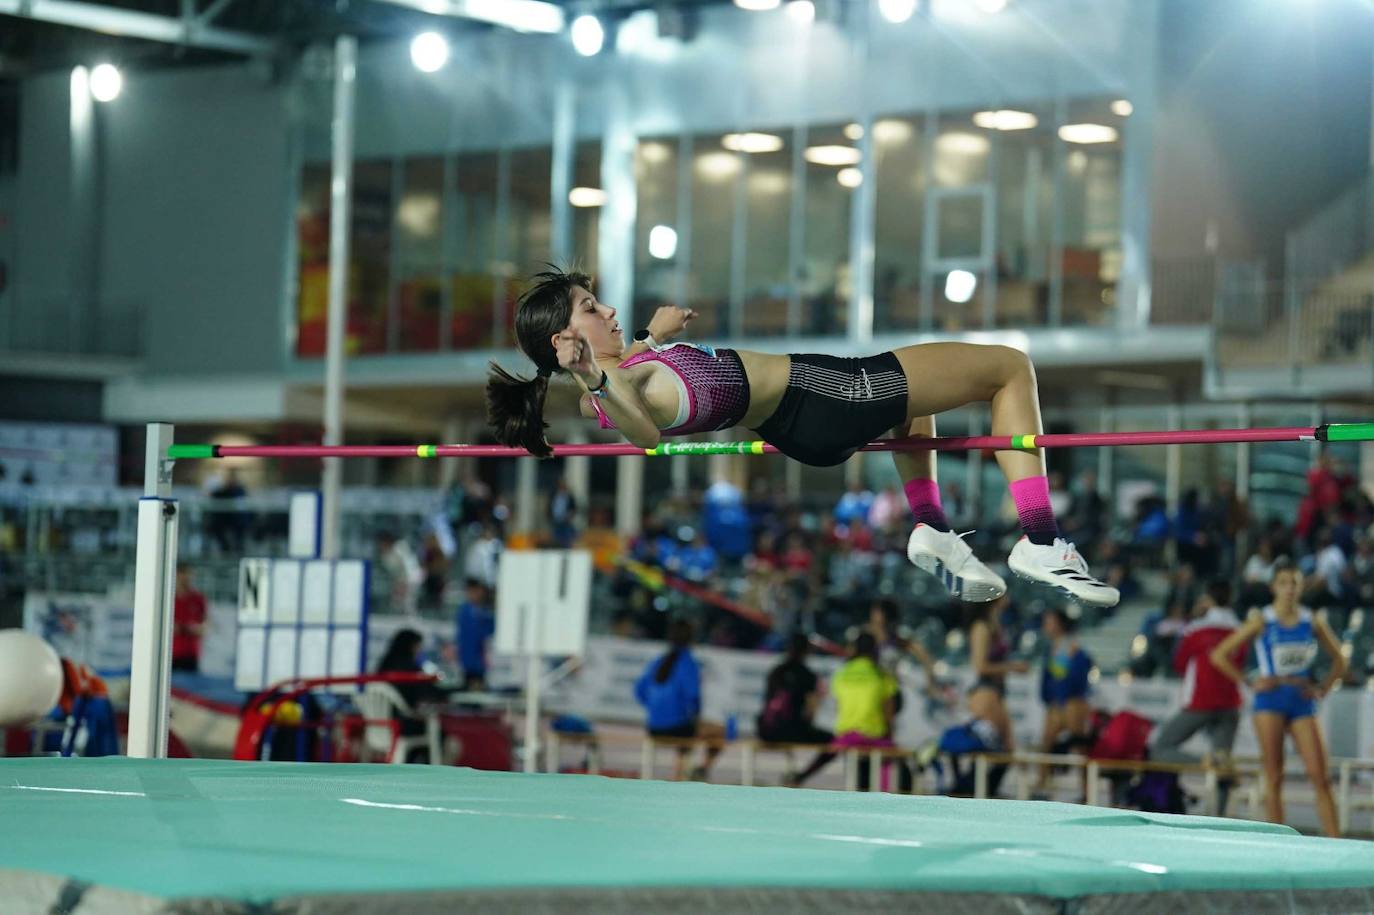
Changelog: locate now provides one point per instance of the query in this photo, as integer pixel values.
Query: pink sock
(924, 498)
(1032, 497)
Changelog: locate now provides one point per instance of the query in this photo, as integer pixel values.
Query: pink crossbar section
(953, 443)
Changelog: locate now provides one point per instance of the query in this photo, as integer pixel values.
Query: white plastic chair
(381, 732)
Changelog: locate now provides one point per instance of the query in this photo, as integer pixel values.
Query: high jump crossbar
(1331, 432)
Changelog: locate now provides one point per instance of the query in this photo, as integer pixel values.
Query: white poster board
(542, 600)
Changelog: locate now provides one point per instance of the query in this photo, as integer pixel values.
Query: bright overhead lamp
(1122, 108)
(832, 155)
(959, 286)
(897, 11)
(960, 142)
(1088, 133)
(662, 242)
(890, 130)
(587, 197)
(758, 6)
(587, 35)
(520, 15)
(1005, 119)
(751, 142)
(850, 177)
(802, 12)
(429, 51)
(106, 83)
(854, 132)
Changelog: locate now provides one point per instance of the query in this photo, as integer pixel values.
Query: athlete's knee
(1012, 363)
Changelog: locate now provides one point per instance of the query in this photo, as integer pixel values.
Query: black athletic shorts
(834, 406)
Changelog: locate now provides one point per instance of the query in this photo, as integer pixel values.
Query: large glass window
(1091, 211)
(959, 215)
(529, 229)
(419, 254)
(369, 287)
(1025, 215)
(657, 232)
(715, 171)
(473, 288)
(831, 173)
(768, 217)
(312, 250)
(369, 275)
(586, 173)
(899, 218)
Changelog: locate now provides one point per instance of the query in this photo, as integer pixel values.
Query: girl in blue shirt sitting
(670, 690)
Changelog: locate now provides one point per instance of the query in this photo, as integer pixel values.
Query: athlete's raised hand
(575, 355)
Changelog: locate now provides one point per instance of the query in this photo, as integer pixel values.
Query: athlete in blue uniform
(1287, 637)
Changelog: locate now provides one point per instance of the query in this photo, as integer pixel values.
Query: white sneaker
(945, 555)
(1059, 566)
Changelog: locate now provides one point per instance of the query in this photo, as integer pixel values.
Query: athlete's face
(596, 322)
(1285, 587)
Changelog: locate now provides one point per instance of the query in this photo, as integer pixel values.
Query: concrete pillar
(578, 472)
(629, 493)
(526, 495)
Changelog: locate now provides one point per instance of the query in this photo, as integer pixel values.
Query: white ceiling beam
(519, 15)
(132, 24)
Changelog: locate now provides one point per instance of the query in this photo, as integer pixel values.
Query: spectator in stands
(602, 540)
(563, 515)
(1331, 578)
(695, 561)
(1229, 519)
(228, 523)
(434, 562)
(1064, 683)
(1362, 569)
(884, 621)
(403, 656)
(854, 504)
(1327, 484)
(888, 507)
(990, 657)
(790, 696)
(1087, 517)
(483, 556)
(1211, 701)
(866, 705)
(476, 626)
(403, 569)
(189, 617)
(670, 691)
(1259, 568)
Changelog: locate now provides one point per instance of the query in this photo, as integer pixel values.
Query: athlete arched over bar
(818, 409)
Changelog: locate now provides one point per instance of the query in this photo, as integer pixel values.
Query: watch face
(641, 335)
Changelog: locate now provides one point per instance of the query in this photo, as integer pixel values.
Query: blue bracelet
(600, 389)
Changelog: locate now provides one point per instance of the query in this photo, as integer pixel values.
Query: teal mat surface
(258, 832)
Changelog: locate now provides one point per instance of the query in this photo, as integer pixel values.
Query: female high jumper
(817, 409)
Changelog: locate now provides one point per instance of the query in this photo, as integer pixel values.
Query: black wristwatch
(643, 336)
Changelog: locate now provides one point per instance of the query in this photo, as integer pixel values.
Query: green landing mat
(89, 836)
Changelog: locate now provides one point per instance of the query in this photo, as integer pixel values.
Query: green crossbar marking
(1350, 432)
(188, 452)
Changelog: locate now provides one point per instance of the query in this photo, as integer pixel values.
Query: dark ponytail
(680, 637)
(515, 405)
(515, 410)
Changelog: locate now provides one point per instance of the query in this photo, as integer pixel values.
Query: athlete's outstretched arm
(619, 395)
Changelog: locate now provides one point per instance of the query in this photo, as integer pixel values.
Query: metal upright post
(154, 593)
(340, 203)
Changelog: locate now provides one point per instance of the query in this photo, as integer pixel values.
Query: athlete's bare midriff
(767, 374)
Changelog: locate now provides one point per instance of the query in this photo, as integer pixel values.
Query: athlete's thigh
(1307, 737)
(1269, 732)
(945, 376)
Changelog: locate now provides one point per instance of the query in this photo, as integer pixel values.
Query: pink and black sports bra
(715, 390)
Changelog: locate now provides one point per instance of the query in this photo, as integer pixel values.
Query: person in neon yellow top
(864, 692)
(865, 705)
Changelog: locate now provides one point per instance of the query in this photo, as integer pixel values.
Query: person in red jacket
(1211, 700)
(188, 622)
